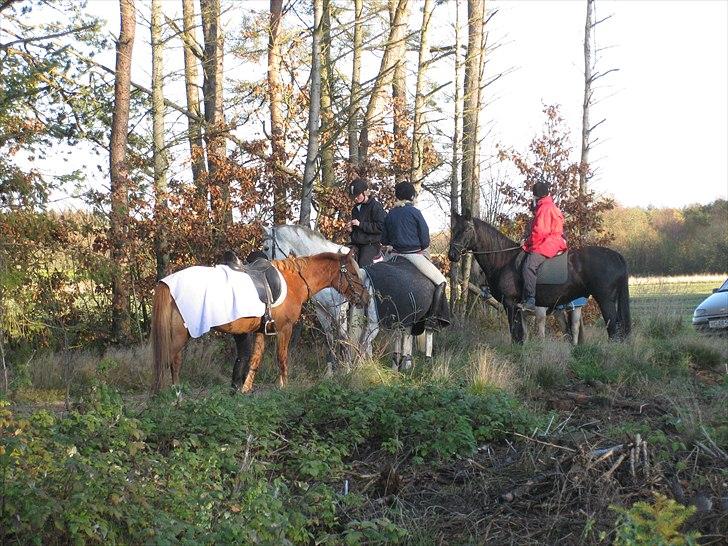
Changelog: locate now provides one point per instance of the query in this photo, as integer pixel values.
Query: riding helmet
(357, 186)
(541, 189)
(404, 191)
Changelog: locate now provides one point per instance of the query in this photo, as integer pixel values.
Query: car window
(723, 287)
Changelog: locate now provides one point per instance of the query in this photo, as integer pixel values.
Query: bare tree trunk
(454, 185)
(355, 97)
(584, 162)
(399, 91)
(476, 195)
(314, 110)
(384, 76)
(212, 67)
(119, 170)
(471, 96)
(470, 104)
(328, 130)
(194, 127)
(417, 167)
(275, 92)
(159, 150)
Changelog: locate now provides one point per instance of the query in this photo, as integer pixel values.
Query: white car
(712, 313)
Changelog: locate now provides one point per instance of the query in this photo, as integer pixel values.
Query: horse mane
(490, 239)
(495, 239)
(303, 230)
(291, 263)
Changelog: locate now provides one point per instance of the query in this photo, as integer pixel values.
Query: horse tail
(623, 315)
(161, 333)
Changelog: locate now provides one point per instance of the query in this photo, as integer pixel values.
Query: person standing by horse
(367, 221)
(406, 231)
(545, 240)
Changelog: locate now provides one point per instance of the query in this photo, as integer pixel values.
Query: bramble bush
(223, 470)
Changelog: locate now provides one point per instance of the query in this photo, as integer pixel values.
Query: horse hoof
(406, 363)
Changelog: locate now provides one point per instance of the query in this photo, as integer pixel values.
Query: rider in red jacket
(546, 240)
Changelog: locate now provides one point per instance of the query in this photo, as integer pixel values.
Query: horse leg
(180, 335)
(397, 354)
(428, 343)
(541, 322)
(608, 308)
(255, 359)
(515, 323)
(284, 338)
(243, 345)
(406, 362)
(563, 320)
(577, 327)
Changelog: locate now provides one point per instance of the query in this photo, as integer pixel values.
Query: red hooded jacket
(547, 229)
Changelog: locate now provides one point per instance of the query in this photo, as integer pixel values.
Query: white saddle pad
(210, 296)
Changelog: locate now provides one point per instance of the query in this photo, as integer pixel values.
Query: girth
(266, 280)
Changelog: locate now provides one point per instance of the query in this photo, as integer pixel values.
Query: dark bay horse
(593, 271)
(304, 277)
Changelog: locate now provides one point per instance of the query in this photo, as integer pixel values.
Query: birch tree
(309, 173)
(119, 170)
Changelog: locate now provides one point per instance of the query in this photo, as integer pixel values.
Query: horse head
(349, 282)
(462, 238)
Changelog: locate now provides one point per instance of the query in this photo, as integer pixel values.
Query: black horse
(592, 271)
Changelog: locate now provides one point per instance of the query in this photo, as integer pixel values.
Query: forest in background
(262, 124)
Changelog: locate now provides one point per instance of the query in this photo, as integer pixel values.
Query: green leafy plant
(655, 524)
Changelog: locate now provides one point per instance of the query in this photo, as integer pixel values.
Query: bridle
(274, 244)
(344, 273)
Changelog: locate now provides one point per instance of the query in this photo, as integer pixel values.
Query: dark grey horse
(592, 271)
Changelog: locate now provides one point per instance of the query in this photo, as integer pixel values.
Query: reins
(491, 251)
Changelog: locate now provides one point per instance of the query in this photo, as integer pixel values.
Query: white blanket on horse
(210, 296)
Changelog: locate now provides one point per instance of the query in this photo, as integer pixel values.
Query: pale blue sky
(665, 137)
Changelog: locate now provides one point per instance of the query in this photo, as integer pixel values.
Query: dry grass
(489, 369)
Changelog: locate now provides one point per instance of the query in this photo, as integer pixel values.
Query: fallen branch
(543, 443)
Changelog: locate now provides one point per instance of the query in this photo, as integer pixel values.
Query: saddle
(267, 283)
(553, 271)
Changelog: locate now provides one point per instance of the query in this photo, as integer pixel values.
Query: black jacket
(371, 222)
(406, 230)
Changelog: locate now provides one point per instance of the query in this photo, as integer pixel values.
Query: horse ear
(467, 213)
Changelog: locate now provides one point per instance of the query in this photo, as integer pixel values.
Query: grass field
(671, 296)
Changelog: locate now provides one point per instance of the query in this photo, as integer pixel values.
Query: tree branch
(25, 41)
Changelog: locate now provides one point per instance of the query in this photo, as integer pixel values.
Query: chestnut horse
(304, 277)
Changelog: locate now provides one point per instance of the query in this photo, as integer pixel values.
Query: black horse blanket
(403, 296)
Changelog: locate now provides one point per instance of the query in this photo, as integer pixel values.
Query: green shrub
(228, 469)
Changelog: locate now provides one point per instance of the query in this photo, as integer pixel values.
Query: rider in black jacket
(367, 221)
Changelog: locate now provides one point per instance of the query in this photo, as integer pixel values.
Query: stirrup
(269, 327)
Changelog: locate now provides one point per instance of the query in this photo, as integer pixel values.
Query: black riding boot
(438, 315)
